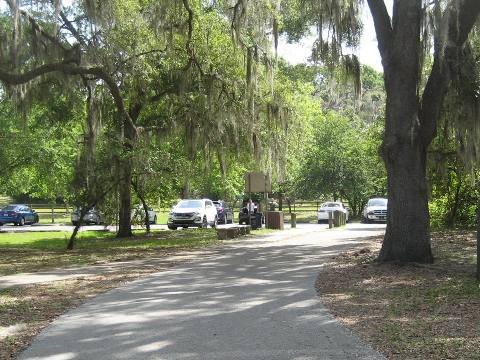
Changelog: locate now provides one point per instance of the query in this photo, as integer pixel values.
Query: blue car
(18, 214)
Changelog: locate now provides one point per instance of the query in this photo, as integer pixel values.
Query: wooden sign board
(256, 182)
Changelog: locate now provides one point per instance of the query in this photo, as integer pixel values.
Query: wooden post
(53, 218)
(330, 220)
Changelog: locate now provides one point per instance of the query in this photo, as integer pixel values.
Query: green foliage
(340, 163)
(39, 147)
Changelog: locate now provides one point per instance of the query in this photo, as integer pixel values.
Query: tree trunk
(407, 238)
(73, 237)
(478, 240)
(124, 220)
(126, 165)
(125, 210)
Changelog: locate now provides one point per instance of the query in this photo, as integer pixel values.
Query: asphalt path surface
(250, 299)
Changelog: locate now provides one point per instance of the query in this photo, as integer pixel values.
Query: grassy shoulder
(409, 311)
(29, 252)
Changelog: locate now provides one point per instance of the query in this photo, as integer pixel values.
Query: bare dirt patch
(409, 311)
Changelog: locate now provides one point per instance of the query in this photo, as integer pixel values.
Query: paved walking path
(249, 300)
(22, 279)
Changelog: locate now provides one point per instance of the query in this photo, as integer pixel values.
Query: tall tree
(413, 110)
(411, 116)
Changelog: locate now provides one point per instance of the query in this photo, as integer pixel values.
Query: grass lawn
(27, 252)
(409, 311)
(306, 217)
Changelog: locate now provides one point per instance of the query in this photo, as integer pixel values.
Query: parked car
(224, 212)
(138, 215)
(18, 214)
(193, 212)
(91, 217)
(375, 210)
(330, 207)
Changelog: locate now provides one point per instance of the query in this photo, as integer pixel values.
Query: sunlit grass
(26, 252)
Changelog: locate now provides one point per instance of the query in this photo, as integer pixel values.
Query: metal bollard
(293, 220)
(330, 220)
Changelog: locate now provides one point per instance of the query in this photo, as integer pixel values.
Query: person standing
(250, 206)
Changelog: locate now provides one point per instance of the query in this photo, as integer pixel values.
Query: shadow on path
(253, 299)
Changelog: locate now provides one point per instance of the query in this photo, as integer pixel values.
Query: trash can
(274, 220)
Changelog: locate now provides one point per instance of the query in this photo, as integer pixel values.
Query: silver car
(91, 217)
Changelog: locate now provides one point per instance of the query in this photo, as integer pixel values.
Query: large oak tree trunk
(404, 150)
(408, 223)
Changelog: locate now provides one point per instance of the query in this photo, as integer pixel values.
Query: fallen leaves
(409, 311)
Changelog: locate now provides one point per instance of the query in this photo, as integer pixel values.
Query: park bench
(232, 231)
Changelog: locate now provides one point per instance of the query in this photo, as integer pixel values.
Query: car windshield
(330, 205)
(377, 202)
(10, 207)
(189, 204)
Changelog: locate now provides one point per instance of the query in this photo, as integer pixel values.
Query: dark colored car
(18, 214)
(91, 217)
(224, 212)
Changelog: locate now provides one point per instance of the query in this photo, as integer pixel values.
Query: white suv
(375, 210)
(192, 212)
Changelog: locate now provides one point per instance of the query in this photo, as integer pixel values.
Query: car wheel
(215, 222)
(74, 223)
(171, 227)
(185, 227)
(21, 222)
(205, 222)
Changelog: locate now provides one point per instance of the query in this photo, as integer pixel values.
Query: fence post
(330, 220)
(53, 219)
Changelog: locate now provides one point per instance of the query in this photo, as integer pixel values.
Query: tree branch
(383, 27)
(459, 20)
(71, 69)
(72, 29)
